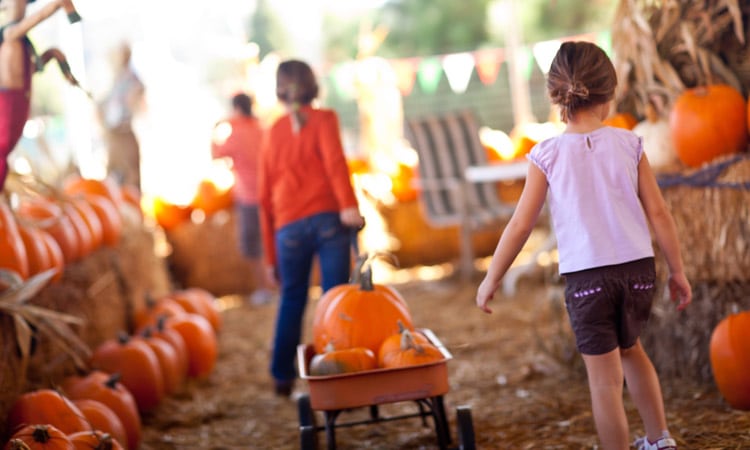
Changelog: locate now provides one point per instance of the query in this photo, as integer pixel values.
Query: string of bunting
(427, 72)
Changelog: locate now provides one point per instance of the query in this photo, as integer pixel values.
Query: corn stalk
(29, 319)
(662, 47)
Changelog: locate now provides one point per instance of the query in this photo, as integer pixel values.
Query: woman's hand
(352, 218)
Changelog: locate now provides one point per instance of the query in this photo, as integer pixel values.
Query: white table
(503, 171)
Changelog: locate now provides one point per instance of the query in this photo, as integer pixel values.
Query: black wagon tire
(466, 439)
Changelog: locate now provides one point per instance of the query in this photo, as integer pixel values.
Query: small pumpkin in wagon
(408, 348)
(334, 362)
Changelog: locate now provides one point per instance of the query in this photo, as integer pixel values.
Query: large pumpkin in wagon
(361, 314)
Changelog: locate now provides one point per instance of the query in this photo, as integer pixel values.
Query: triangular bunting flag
(525, 61)
(428, 74)
(406, 74)
(488, 64)
(458, 68)
(544, 53)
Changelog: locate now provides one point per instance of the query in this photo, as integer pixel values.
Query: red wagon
(425, 384)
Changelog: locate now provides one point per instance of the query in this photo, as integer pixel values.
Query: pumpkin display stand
(711, 209)
(205, 254)
(102, 289)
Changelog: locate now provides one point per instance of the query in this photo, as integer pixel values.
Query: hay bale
(102, 289)
(207, 255)
(711, 209)
(713, 221)
(414, 242)
(678, 341)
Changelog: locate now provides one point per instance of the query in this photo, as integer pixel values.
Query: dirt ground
(516, 370)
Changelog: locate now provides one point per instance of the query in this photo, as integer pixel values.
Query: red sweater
(243, 146)
(302, 174)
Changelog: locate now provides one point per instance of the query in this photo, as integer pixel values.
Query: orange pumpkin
(170, 363)
(94, 440)
(621, 120)
(76, 185)
(707, 122)
(12, 251)
(730, 359)
(359, 315)
(152, 309)
(349, 360)
(93, 223)
(49, 216)
(39, 437)
(199, 301)
(168, 215)
(139, 366)
(107, 389)
(211, 198)
(46, 406)
(109, 216)
(101, 418)
(83, 236)
(410, 352)
(200, 340)
(57, 259)
(393, 343)
(173, 338)
(37, 255)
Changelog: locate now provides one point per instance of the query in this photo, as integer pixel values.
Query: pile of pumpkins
(57, 227)
(175, 339)
(364, 326)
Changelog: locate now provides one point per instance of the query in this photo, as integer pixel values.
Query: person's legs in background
(295, 249)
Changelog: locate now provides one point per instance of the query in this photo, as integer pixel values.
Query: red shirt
(302, 174)
(243, 146)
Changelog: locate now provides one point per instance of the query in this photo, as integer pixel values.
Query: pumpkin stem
(123, 337)
(357, 271)
(41, 434)
(365, 282)
(329, 347)
(161, 322)
(408, 343)
(149, 300)
(113, 380)
(147, 332)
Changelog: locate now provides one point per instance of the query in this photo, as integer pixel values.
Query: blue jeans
(296, 245)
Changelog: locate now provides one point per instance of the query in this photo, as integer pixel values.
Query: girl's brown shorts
(609, 306)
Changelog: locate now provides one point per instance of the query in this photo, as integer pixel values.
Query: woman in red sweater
(308, 208)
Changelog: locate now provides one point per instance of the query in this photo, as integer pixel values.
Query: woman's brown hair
(296, 83)
(581, 75)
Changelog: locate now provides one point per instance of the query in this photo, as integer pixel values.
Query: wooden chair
(447, 146)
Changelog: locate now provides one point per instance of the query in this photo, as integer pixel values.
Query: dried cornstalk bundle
(664, 46)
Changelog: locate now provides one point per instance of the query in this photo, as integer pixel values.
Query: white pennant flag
(458, 68)
(544, 53)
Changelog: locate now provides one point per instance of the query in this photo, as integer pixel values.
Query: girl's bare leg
(605, 375)
(643, 386)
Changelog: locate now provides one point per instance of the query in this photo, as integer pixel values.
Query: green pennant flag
(604, 40)
(525, 61)
(342, 79)
(428, 74)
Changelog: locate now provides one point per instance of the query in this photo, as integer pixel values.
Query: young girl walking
(603, 197)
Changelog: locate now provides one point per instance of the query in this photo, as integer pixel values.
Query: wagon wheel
(465, 428)
(307, 427)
